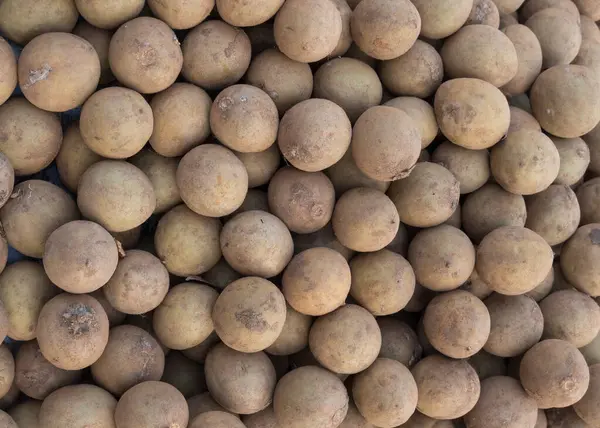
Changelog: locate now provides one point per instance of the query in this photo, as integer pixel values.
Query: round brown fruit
(484, 12)
(7, 365)
(261, 166)
(8, 69)
(587, 407)
(25, 414)
(529, 54)
(520, 118)
(579, 259)
(247, 14)
(422, 114)
(470, 167)
(182, 14)
(109, 14)
(574, 160)
(294, 336)
(7, 180)
(440, 19)
(588, 201)
(216, 419)
(100, 40)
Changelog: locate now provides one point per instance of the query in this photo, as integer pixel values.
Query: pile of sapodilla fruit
(377, 213)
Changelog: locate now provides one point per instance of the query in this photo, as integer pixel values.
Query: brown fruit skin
(249, 314)
(286, 81)
(7, 180)
(247, 14)
(150, 66)
(489, 208)
(263, 419)
(187, 243)
(104, 197)
(484, 12)
(440, 19)
(36, 377)
(520, 119)
(78, 406)
(7, 365)
(564, 418)
(203, 403)
(72, 331)
(37, 210)
(8, 70)
(383, 282)
(116, 122)
(469, 320)
(579, 259)
(345, 40)
(588, 201)
(529, 54)
(22, 20)
(471, 113)
(261, 166)
(26, 413)
(573, 102)
(74, 158)
(314, 134)
(399, 341)
(574, 159)
(215, 55)
(531, 7)
(257, 243)
(543, 288)
(198, 353)
(513, 260)
(321, 238)
(307, 30)
(386, 143)
(139, 283)
(422, 70)
(80, 256)
(517, 323)
(419, 420)
(24, 290)
(470, 167)
(365, 219)
(221, 275)
(294, 336)
(182, 14)
(212, 181)
(115, 317)
(554, 373)
(345, 175)
(422, 113)
(109, 14)
(183, 319)
(503, 404)
(162, 173)
(588, 8)
(587, 407)
(162, 405)
(427, 197)
(244, 118)
(442, 257)
(488, 365)
(571, 316)
(216, 419)
(345, 341)
(131, 356)
(245, 392)
(448, 389)
(4, 322)
(310, 396)
(31, 138)
(100, 41)
(481, 52)
(58, 71)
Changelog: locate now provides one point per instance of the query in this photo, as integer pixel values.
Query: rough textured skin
(163, 406)
(72, 331)
(471, 113)
(109, 14)
(116, 122)
(36, 377)
(139, 283)
(457, 324)
(574, 160)
(572, 316)
(8, 69)
(386, 143)
(264, 419)
(221, 275)
(245, 14)
(481, 52)
(419, 420)
(314, 134)
(4, 320)
(554, 213)
(286, 81)
(216, 419)
(183, 319)
(476, 286)
(588, 407)
(448, 388)
(520, 119)
(488, 365)
(244, 118)
(187, 243)
(24, 290)
(255, 200)
(470, 167)
(589, 8)
(30, 137)
(543, 288)
(74, 158)
(513, 260)
(181, 119)
(517, 323)
(26, 413)
(589, 202)
(307, 30)
(579, 259)
(80, 256)
(162, 174)
(427, 197)
(321, 238)
(145, 55)
(529, 54)
(35, 209)
(260, 165)
(383, 282)
(531, 7)
(365, 219)
(182, 14)
(310, 397)
(7, 368)
(257, 243)
(241, 383)
(421, 68)
(294, 336)
(440, 19)
(484, 12)
(399, 341)
(22, 20)
(215, 55)
(103, 198)
(345, 40)
(249, 314)
(345, 341)
(554, 373)
(203, 403)
(115, 317)
(345, 175)
(564, 418)
(58, 71)
(100, 40)
(212, 181)
(7, 182)
(503, 404)
(422, 113)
